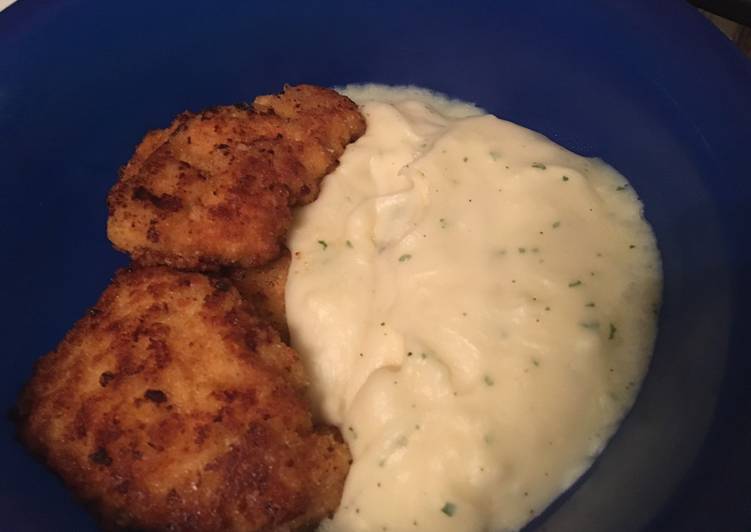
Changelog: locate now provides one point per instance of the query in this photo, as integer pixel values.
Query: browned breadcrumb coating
(170, 406)
(215, 188)
(264, 289)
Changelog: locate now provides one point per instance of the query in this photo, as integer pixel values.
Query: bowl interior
(89, 79)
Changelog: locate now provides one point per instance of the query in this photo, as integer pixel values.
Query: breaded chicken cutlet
(263, 287)
(171, 406)
(216, 188)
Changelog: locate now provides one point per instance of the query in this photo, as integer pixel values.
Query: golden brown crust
(264, 289)
(215, 189)
(170, 406)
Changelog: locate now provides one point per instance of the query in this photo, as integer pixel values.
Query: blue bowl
(648, 86)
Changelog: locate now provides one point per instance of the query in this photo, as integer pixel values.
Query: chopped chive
(522, 250)
(539, 165)
(564, 177)
(573, 284)
(449, 509)
(465, 159)
(556, 225)
(613, 330)
(535, 362)
(593, 325)
(349, 244)
(488, 380)
(323, 244)
(405, 257)
(495, 155)
(621, 188)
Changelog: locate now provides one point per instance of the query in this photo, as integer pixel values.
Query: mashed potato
(476, 308)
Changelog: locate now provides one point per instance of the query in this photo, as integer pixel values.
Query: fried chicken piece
(263, 288)
(332, 122)
(171, 406)
(215, 189)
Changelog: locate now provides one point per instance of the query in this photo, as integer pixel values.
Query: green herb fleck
(522, 250)
(621, 188)
(556, 225)
(423, 355)
(574, 284)
(495, 155)
(405, 257)
(591, 304)
(631, 246)
(536, 362)
(323, 244)
(539, 165)
(349, 244)
(488, 380)
(449, 509)
(613, 330)
(564, 177)
(443, 223)
(465, 159)
(592, 325)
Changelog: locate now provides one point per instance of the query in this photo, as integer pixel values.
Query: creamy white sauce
(476, 307)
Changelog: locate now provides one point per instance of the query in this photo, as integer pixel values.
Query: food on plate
(476, 309)
(216, 188)
(176, 404)
(474, 306)
(172, 406)
(263, 287)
